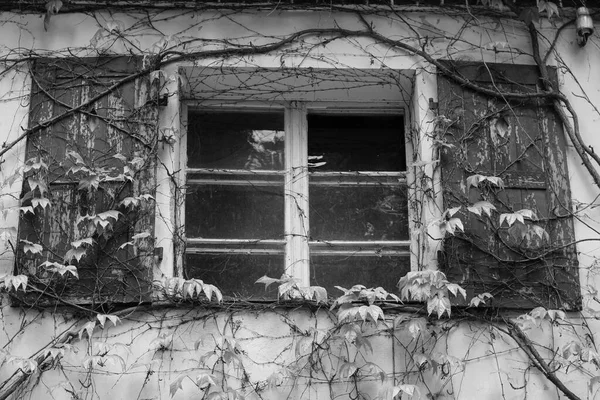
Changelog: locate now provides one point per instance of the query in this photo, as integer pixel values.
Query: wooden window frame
(296, 243)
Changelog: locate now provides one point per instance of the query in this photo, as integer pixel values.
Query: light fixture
(585, 25)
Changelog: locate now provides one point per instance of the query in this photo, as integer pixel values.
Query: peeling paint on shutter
(523, 143)
(122, 124)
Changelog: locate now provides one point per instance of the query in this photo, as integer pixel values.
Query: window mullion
(296, 193)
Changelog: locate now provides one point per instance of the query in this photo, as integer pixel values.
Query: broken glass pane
(356, 143)
(358, 212)
(234, 211)
(235, 140)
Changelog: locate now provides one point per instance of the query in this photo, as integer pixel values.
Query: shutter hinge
(163, 100)
(433, 105)
(158, 253)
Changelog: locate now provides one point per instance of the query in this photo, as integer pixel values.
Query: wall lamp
(584, 24)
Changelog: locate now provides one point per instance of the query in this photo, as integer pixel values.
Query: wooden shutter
(99, 160)
(522, 142)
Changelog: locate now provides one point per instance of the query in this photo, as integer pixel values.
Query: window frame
(297, 246)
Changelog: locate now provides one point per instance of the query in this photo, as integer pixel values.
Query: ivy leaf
(210, 289)
(511, 218)
(87, 328)
(78, 243)
(103, 317)
(61, 269)
(33, 165)
(16, 281)
(549, 7)
(34, 183)
(538, 314)
(439, 305)
(451, 211)
(90, 182)
(499, 127)
(121, 247)
(109, 214)
(455, 289)
(27, 210)
(137, 163)
(40, 202)
(32, 248)
(451, 225)
(538, 231)
(554, 315)
(320, 294)
(480, 207)
(140, 236)
(416, 326)
(76, 254)
(526, 213)
(479, 299)
(267, 281)
(129, 202)
(76, 157)
(52, 8)
(475, 180)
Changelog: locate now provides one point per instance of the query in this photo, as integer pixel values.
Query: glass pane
(234, 212)
(357, 142)
(358, 212)
(235, 140)
(235, 274)
(347, 270)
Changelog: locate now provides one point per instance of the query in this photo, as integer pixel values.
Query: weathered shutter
(99, 180)
(522, 142)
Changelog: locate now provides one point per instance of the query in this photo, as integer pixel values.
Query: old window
(522, 262)
(316, 192)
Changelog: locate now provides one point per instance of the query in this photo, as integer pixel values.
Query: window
(317, 192)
